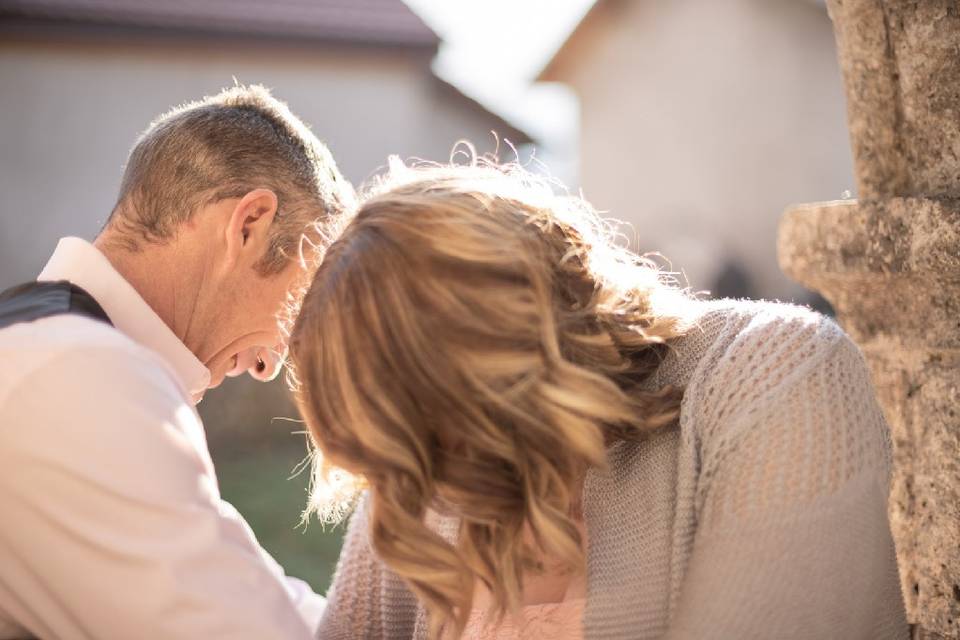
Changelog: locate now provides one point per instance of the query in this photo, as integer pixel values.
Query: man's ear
(249, 224)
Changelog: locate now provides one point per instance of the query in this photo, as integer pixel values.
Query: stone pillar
(889, 263)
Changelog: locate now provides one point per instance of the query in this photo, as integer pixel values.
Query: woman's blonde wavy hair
(472, 343)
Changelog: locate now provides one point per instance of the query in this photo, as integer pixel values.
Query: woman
(557, 443)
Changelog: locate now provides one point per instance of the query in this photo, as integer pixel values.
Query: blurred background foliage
(260, 453)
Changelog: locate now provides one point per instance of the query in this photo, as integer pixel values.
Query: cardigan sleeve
(792, 537)
(366, 599)
(353, 603)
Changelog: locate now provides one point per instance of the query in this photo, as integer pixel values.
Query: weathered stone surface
(890, 265)
(901, 66)
(924, 42)
(872, 96)
(881, 263)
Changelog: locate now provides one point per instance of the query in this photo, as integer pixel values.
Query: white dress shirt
(111, 522)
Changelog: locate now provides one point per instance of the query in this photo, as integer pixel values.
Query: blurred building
(701, 120)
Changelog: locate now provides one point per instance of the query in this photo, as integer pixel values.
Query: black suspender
(36, 300)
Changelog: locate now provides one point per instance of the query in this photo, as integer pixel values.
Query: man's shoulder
(85, 352)
(89, 396)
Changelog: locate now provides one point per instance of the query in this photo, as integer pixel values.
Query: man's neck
(156, 271)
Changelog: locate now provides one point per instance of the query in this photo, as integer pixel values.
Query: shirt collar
(81, 263)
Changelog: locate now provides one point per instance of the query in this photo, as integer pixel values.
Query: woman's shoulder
(748, 357)
(743, 339)
(738, 355)
(730, 321)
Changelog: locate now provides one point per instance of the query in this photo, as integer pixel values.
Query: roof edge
(507, 130)
(14, 15)
(546, 74)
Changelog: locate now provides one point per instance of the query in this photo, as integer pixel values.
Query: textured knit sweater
(762, 515)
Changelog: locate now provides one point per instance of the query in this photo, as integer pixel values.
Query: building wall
(70, 111)
(703, 119)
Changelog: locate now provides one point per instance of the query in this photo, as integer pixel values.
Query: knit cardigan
(762, 515)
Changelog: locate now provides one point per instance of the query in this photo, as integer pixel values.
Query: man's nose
(267, 364)
(260, 362)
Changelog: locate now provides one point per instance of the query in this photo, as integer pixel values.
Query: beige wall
(69, 113)
(703, 119)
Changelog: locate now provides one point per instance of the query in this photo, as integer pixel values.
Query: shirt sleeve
(310, 605)
(112, 522)
(792, 537)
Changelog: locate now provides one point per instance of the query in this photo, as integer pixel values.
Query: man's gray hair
(224, 146)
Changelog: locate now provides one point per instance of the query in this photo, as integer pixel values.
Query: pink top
(547, 619)
(552, 621)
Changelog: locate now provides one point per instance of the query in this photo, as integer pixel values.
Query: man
(112, 525)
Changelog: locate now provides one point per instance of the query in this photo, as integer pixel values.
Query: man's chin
(229, 369)
(216, 380)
